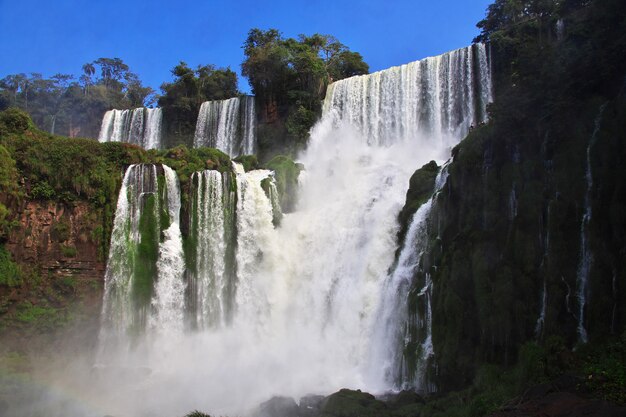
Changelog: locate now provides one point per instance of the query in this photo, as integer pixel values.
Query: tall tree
(182, 98)
(289, 78)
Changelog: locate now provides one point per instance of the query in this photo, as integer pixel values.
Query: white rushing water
(169, 291)
(141, 126)
(228, 125)
(132, 303)
(396, 321)
(586, 257)
(209, 233)
(303, 307)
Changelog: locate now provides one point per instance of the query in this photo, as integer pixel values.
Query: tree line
(288, 77)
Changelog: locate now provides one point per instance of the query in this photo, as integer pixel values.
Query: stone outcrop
(59, 248)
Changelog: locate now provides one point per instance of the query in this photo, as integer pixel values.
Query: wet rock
(278, 407)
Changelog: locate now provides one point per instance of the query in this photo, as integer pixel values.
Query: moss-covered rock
(421, 188)
(249, 162)
(349, 403)
(286, 173)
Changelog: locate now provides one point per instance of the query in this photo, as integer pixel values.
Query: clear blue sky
(52, 37)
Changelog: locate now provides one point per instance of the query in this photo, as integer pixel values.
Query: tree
(61, 104)
(289, 79)
(182, 98)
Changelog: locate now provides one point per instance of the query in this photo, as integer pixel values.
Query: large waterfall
(228, 125)
(211, 267)
(141, 126)
(146, 248)
(297, 308)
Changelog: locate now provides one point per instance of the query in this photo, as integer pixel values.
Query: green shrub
(286, 173)
(605, 370)
(300, 122)
(68, 251)
(14, 120)
(42, 191)
(10, 273)
(249, 162)
(43, 317)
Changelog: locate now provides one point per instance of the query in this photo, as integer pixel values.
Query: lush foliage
(8, 187)
(289, 79)
(74, 106)
(181, 99)
(10, 274)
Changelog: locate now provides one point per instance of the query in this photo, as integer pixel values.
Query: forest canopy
(288, 76)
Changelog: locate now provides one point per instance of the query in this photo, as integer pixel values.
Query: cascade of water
(228, 125)
(311, 291)
(248, 126)
(143, 280)
(400, 323)
(168, 301)
(254, 230)
(210, 227)
(586, 258)
(152, 133)
(139, 126)
(437, 96)
(122, 311)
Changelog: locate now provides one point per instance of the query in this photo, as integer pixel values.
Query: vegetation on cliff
(74, 106)
(506, 260)
(289, 79)
(288, 76)
(67, 189)
(181, 98)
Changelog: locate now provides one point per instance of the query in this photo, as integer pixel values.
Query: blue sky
(52, 37)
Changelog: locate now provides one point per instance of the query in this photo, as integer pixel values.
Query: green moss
(348, 403)
(164, 214)
(10, 272)
(39, 316)
(421, 188)
(286, 173)
(14, 120)
(277, 214)
(249, 162)
(147, 254)
(42, 191)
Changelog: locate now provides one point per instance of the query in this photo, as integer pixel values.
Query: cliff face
(58, 249)
(527, 237)
(62, 240)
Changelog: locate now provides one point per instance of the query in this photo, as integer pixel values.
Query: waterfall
(228, 125)
(169, 289)
(139, 256)
(586, 257)
(438, 96)
(254, 232)
(212, 246)
(141, 126)
(297, 303)
(405, 365)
